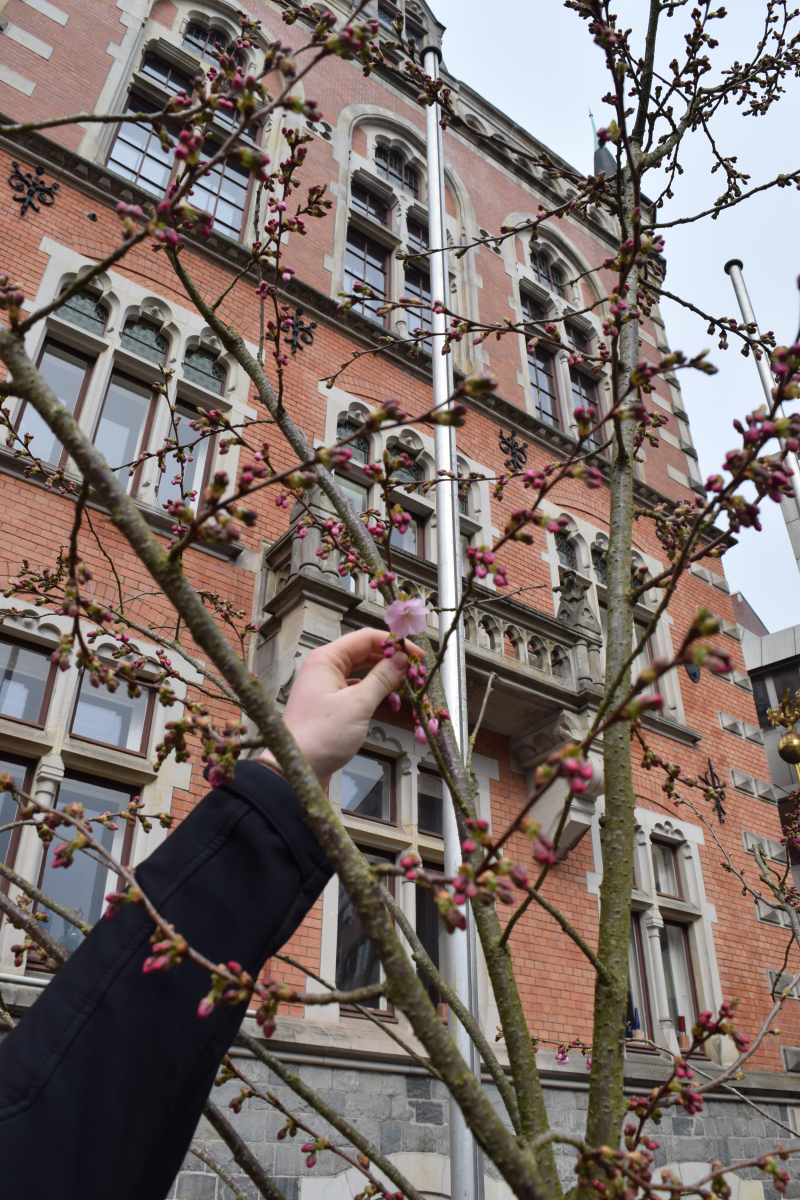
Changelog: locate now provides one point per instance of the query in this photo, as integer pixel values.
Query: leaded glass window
(208, 43)
(600, 565)
(201, 366)
(359, 445)
(365, 263)
(142, 337)
(566, 552)
(84, 310)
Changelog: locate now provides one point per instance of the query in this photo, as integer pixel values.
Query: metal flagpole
(466, 1167)
(789, 507)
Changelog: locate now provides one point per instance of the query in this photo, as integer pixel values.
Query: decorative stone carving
(531, 747)
(574, 609)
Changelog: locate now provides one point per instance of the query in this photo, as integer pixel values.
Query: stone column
(664, 1032)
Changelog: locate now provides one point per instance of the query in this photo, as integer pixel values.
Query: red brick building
(695, 939)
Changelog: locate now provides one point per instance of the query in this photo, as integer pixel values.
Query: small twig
(242, 1154)
(208, 1158)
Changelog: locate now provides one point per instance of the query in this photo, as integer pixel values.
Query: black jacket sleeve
(104, 1080)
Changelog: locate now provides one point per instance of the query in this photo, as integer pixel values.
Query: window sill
(74, 336)
(203, 397)
(373, 229)
(21, 738)
(120, 765)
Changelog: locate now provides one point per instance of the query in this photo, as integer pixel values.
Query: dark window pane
(8, 807)
(204, 42)
(114, 719)
(365, 262)
(665, 868)
(201, 367)
(143, 338)
(531, 311)
(370, 205)
(429, 931)
(577, 339)
(23, 679)
(166, 75)
(137, 153)
(385, 17)
(677, 974)
(584, 395)
(636, 1023)
(540, 369)
(65, 372)
(84, 886)
(557, 278)
(223, 193)
(84, 310)
(762, 700)
(411, 181)
(430, 804)
(600, 565)
(417, 236)
(786, 677)
(193, 468)
(367, 787)
(357, 963)
(122, 422)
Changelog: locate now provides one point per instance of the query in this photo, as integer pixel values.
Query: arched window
(600, 564)
(392, 166)
(165, 75)
(359, 445)
(409, 470)
(142, 337)
(84, 310)
(546, 273)
(201, 366)
(566, 551)
(210, 43)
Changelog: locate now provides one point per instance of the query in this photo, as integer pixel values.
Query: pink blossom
(394, 702)
(420, 736)
(205, 1007)
(562, 1058)
(407, 617)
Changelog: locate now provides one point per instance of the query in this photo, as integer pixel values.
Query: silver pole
(466, 1168)
(791, 509)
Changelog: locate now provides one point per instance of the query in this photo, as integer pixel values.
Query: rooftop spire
(594, 130)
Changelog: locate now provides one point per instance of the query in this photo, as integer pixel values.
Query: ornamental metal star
(34, 188)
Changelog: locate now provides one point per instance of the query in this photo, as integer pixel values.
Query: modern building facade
(695, 940)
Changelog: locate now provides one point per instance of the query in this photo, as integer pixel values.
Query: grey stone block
(682, 1126)
(346, 1081)
(289, 1186)
(428, 1112)
(319, 1078)
(400, 1109)
(420, 1139)
(394, 1085)
(357, 1105)
(245, 1187)
(249, 1124)
(197, 1187)
(418, 1087)
(391, 1137)
(371, 1130)
(380, 1107)
(289, 1160)
(582, 1100)
(439, 1091)
(371, 1083)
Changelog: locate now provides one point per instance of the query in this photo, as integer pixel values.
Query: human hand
(328, 713)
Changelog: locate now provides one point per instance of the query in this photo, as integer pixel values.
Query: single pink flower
(405, 618)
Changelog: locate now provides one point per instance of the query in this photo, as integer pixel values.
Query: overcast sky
(537, 63)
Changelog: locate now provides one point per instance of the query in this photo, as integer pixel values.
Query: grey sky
(537, 63)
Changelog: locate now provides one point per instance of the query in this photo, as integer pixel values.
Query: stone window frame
(401, 838)
(53, 750)
(694, 911)
(586, 537)
(475, 523)
(183, 328)
(558, 309)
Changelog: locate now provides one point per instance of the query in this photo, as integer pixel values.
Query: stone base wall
(406, 1115)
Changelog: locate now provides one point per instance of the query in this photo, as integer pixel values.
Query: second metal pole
(789, 507)
(466, 1168)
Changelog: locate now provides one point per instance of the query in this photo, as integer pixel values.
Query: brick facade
(544, 688)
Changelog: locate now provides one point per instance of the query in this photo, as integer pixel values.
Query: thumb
(385, 677)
